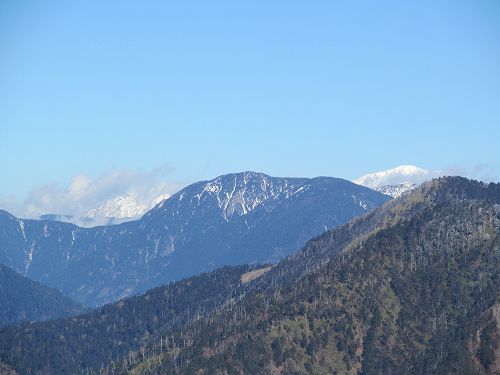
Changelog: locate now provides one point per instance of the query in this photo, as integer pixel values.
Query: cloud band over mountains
(83, 192)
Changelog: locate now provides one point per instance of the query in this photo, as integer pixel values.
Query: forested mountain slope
(90, 341)
(23, 300)
(412, 288)
(417, 295)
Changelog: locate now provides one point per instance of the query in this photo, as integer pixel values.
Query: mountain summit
(118, 207)
(399, 175)
(397, 181)
(116, 210)
(123, 208)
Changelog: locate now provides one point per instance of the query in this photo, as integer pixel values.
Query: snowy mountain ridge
(118, 207)
(402, 174)
(241, 193)
(396, 181)
(116, 210)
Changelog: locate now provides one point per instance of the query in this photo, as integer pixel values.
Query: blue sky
(199, 89)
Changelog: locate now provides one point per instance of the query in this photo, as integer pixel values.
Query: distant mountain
(396, 181)
(116, 210)
(118, 207)
(400, 175)
(234, 219)
(410, 288)
(23, 300)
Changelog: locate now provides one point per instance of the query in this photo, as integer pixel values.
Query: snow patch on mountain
(241, 193)
(398, 190)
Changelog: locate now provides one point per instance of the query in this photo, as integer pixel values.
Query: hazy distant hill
(23, 300)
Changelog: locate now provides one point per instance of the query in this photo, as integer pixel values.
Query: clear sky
(203, 88)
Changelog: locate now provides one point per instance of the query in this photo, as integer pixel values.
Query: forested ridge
(106, 334)
(410, 300)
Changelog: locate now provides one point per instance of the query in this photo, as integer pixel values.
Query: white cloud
(85, 192)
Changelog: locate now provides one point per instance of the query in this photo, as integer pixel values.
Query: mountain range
(410, 288)
(122, 208)
(233, 219)
(116, 210)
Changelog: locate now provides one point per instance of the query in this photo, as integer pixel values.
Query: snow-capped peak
(113, 211)
(237, 194)
(118, 207)
(403, 174)
(123, 207)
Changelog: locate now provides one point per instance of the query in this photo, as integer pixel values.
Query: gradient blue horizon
(285, 88)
